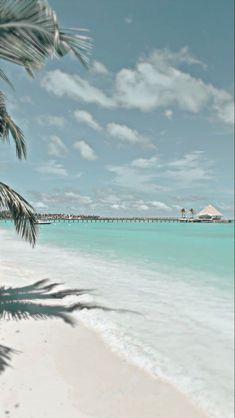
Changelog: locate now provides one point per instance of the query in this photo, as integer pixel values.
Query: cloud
(85, 150)
(159, 82)
(128, 20)
(225, 112)
(193, 167)
(160, 205)
(51, 120)
(86, 118)
(123, 201)
(73, 86)
(183, 56)
(26, 99)
(99, 68)
(76, 196)
(144, 162)
(56, 147)
(126, 134)
(152, 175)
(53, 168)
(65, 199)
(135, 179)
(39, 205)
(105, 201)
(168, 113)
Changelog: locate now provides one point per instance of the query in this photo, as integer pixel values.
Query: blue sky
(148, 129)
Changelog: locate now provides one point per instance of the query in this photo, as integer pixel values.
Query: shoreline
(75, 349)
(69, 372)
(63, 371)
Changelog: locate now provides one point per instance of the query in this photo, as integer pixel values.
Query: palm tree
(29, 33)
(192, 211)
(183, 211)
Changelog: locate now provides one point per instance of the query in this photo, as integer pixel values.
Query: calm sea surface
(179, 277)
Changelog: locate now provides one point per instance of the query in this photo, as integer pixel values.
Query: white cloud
(76, 196)
(144, 162)
(160, 205)
(106, 201)
(85, 150)
(123, 201)
(62, 84)
(128, 20)
(39, 205)
(126, 134)
(99, 68)
(132, 178)
(26, 99)
(168, 113)
(56, 147)
(158, 82)
(144, 174)
(225, 112)
(193, 167)
(142, 205)
(66, 198)
(53, 168)
(51, 120)
(187, 161)
(86, 118)
(183, 56)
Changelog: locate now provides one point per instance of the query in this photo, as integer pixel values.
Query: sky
(147, 130)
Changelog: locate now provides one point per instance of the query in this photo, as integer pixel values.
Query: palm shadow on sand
(5, 357)
(40, 301)
(35, 302)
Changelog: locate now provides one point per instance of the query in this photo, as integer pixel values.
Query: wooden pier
(119, 220)
(57, 218)
(103, 219)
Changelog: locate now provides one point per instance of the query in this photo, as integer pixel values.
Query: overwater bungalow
(210, 213)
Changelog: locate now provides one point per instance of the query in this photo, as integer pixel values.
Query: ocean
(178, 278)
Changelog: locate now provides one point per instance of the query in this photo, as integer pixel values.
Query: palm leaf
(8, 127)
(4, 77)
(30, 33)
(22, 213)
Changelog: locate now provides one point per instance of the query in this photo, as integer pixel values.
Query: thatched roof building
(209, 212)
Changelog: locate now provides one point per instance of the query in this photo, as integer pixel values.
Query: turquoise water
(179, 277)
(206, 248)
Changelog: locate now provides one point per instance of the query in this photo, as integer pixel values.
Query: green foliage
(30, 33)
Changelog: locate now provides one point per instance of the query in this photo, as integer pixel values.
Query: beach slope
(66, 372)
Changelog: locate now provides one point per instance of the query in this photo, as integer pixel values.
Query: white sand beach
(66, 372)
(69, 372)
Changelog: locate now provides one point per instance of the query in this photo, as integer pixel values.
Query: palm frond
(8, 127)
(30, 33)
(22, 213)
(4, 77)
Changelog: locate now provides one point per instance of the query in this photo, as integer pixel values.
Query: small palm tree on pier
(192, 212)
(183, 212)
